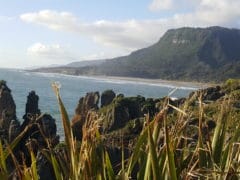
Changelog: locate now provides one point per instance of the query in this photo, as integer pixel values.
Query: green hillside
(190, 54)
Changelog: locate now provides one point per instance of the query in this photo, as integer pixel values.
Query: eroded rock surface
(9, 126)
(85, 104)
(107, 97)
(31, 110)
(40, 126)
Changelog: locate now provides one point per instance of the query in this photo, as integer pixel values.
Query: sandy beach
(156, 82)
(196, 85)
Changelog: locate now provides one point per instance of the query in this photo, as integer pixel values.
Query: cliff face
(202, 54)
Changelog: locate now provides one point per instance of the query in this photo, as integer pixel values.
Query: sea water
(74, 87)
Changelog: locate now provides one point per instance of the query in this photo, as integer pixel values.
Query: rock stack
(85, 105)
(9, 125)
(38, 130)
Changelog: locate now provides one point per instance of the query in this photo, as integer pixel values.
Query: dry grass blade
(3, 166)
(179, 110)
(65, 118)
(170, 153)
(33, 166)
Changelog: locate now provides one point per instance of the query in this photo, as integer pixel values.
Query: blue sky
(45, 32)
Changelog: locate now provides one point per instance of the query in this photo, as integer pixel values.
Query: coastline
(176, 83)
(155, 82)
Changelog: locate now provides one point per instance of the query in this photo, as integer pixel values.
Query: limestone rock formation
(150, 106)
(32, 103)
(209, 94)
(107, 97)
(39, 129)
(121, 110)
(49, 129)
(31, 110)
(41, 125)
(90, 101)
(212, 93)
(9, 126)
(85, 104)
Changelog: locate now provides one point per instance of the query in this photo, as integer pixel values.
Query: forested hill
(192, 54)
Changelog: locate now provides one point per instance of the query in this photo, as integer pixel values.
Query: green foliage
(231, 85)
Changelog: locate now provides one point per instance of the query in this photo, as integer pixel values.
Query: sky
(37, 33)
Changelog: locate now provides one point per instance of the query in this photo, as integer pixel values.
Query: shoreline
(156, 82)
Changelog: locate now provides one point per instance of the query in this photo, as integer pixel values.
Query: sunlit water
(74, 87)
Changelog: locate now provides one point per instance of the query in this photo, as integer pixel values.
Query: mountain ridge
(189, 54)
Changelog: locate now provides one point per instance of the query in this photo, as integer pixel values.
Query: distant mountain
(38, 67)
(71, 68)
(190, 54)
(85, 63)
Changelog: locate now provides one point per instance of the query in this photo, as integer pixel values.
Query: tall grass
(163, 150)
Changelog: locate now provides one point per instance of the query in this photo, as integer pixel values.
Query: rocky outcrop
(212, 93)
(151, 106)
(38, 128)
(32, 104)
(47, 124)
(7, 104)
(41, 126)
(90, 101)
(41, 133)
(209, 94)
(116, 111)
(85, 105)
(107, 97)
(123, 109)
(127, 114)
(9, 126)
(31, 110)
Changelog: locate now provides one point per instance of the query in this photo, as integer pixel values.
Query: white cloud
(133, 34)
(208, 12)
(51, 19)
(122, 34)
(50, 51)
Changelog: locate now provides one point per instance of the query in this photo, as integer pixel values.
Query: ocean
(74, 87)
